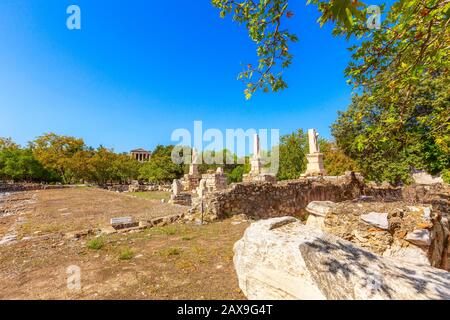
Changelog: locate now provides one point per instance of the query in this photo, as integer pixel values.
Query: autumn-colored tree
(56, 152)
(8, 143)
(336, 163)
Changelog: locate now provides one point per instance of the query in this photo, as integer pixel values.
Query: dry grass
(174, 262)
(75, 209)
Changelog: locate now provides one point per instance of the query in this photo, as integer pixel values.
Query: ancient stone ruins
(328, 237)
(315, 165)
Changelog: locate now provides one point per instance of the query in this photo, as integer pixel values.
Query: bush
(96, 243)
(126, 254)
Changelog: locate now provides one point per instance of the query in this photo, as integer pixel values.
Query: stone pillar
(176, 187)
(256, 159)
(315, 165)
(192, 179)
(193, 167)
(256, 171)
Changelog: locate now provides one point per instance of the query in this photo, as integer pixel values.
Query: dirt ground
(64, 210)
(178, 261)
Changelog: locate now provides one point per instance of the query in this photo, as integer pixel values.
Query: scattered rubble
(395, 229)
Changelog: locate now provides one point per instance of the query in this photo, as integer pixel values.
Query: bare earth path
(173, 262)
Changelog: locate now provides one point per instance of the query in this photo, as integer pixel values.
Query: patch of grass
(173, 251)
(187, 238)
(169, 230)
(96, 243)
(152, 195)
(82, 186)
(126, 254)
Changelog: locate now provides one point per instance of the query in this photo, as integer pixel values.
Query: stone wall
(215, 181)
(16, 187)
(265, 200)
(137, 188)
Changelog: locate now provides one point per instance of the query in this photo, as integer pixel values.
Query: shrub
(126, 254)
(96, 243)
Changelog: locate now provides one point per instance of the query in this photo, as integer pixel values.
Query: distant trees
(20, 165)
(54, 158)
(161, 168)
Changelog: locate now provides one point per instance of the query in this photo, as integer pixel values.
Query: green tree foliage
(100, 166)
(237, 173)
(292, 155)
(225, 159)
(264, 20)
(387, 148)
(20, 165)
(124, 168)
(400, 118)
(161, 168)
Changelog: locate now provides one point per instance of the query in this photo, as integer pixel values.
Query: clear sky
(139, 69)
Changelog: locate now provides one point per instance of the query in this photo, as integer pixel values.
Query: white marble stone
(377, 219)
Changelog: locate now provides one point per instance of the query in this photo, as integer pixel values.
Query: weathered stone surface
(320, 208)
(182, 199)
(412, 254)
(377, 219)
(8, 239)
(419, 237)
(123, 223)
(426, 178)
(360, 223)
(281, 258)
(177, 187)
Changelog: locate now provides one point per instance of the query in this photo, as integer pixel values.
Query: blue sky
(140, 69)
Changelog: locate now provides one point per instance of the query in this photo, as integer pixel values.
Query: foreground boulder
(281, 258)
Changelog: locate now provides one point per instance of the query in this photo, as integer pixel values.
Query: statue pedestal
(315, 165)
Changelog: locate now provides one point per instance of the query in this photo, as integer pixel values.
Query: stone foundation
(265, 200)
(281, 258)
(215, 181)
(290, 198)
(191, 182)
(183, 199)
(16, 187)
(259, 178)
